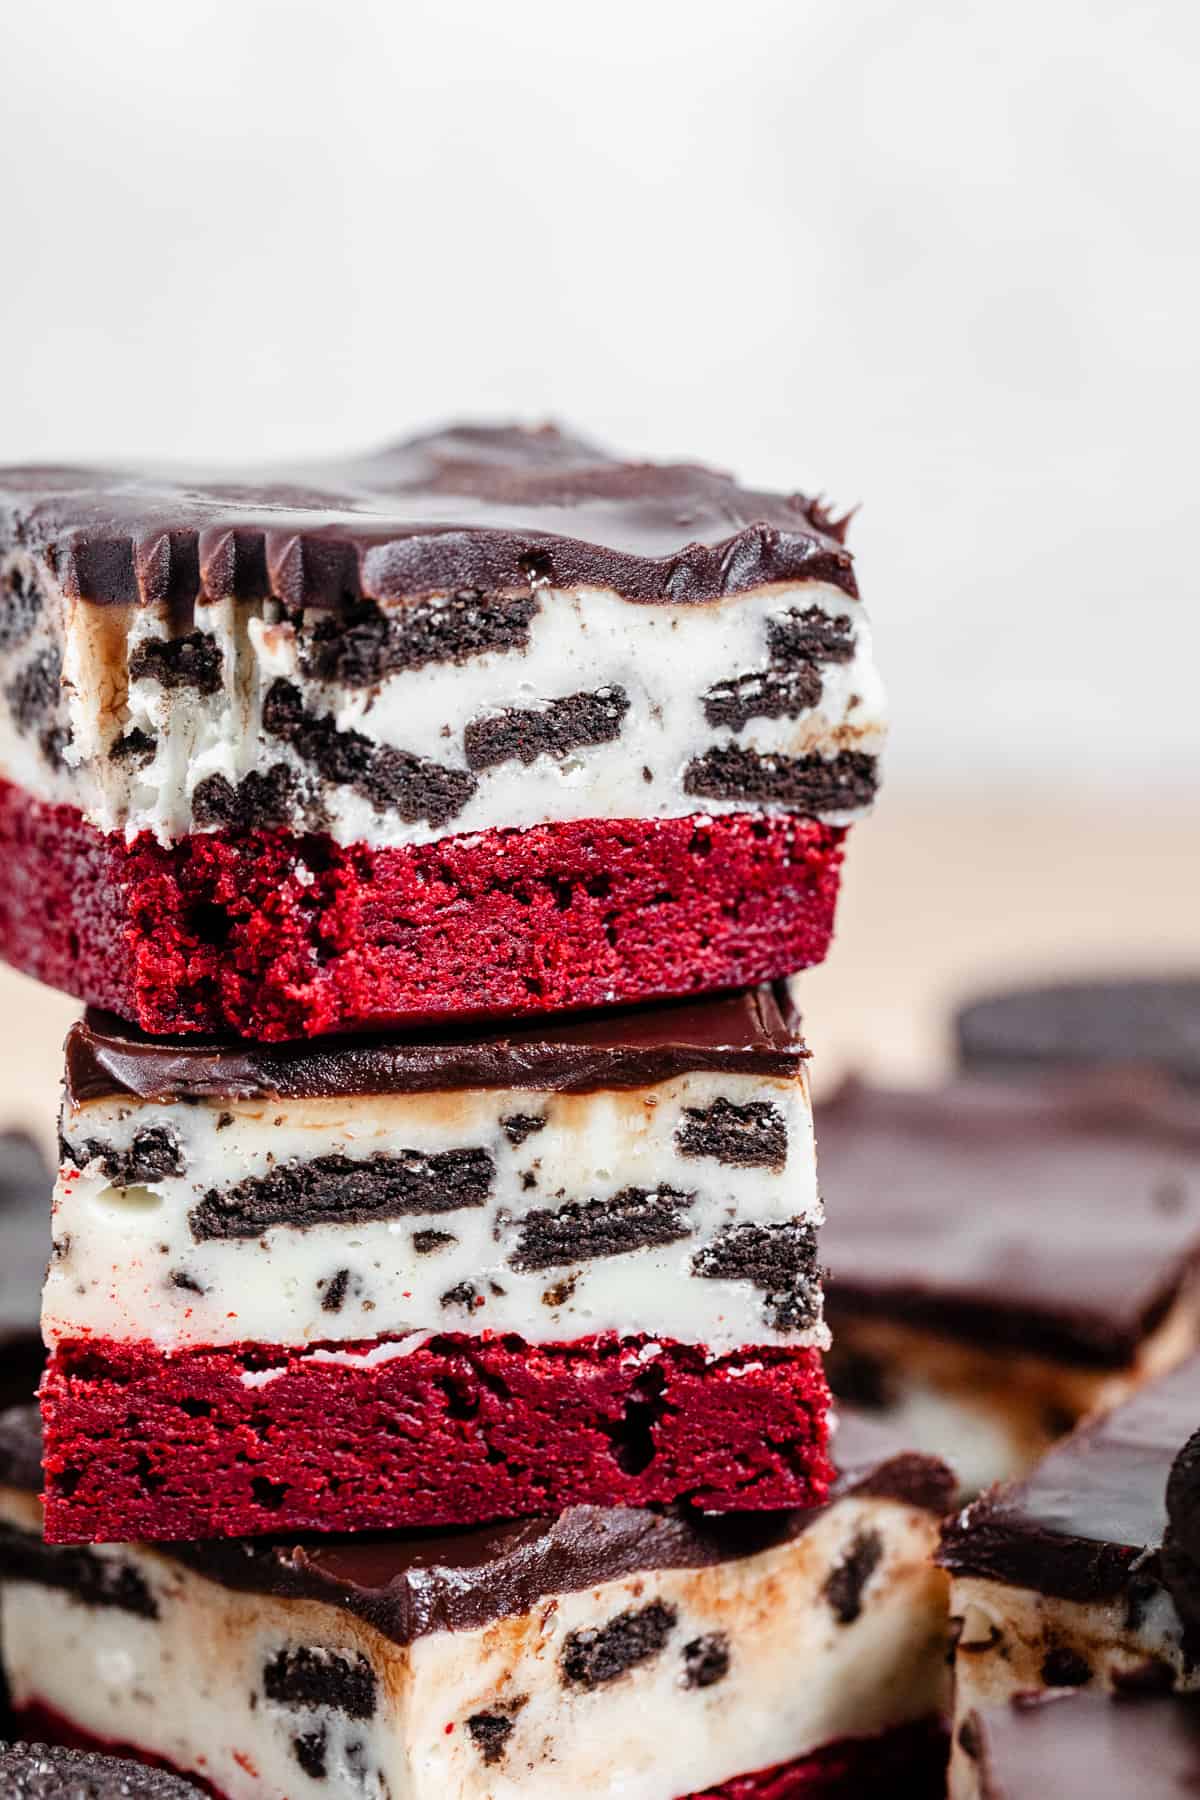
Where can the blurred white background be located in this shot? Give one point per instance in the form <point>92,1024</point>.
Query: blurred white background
<point>938,259</point>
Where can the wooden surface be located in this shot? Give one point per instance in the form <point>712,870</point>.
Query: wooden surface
<point>942,897</point>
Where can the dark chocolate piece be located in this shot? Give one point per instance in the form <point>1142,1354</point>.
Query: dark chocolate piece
<point>314,1676</point>
<point>1084,1746</point>
<point>599,1655</point>
<point>91,1579</point>
<point>573,723</point>
<point>46,1772</point>
<point>753,1136</point>
<point>780,1259</point>
<point>392,780</point>
<point>706,1660</point>
<point>152,1155</point>
<point>1088,1523</point>
<point>191,661</point>
<point>1060,1220</point>
<point>808,784</point>
<point>345,1190</point>
<point>634,1219</point>
<point>752,1032</point>
<point>493,509</point>
<point>408,1584</point>
<point>1085,1024</point>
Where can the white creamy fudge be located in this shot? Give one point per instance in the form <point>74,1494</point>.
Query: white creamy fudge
<point>605,1650</point>
<point>647,1173</point>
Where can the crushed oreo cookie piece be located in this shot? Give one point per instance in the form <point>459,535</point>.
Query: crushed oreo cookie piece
<point>90,1578</point>
<point>36,689</point>
<point>193,661</point>
<point>265,798</point>
<point>706,1660</point>
<point>20,607</point>
<point>753,1136</point>
<point>807,784</point>
<point>367,643</point>
<point>576,722</point>
<point>519,1126</point>
<point>153,1154</point>
<point>313,1676</point>
<point>596,1656</point>
<point>345,1190</point>
<point>780,1259</point>
<point>633,1219</point>
<point>846,1583</point>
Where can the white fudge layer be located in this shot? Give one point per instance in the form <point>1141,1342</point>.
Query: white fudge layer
<point>1006,1633</point>
<point>189,1685</point>
<point>658,662</point>
<point>131,1261</point>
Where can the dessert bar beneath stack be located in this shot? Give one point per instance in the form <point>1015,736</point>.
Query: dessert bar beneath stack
<point>600,1651</point>
<point>376,1283</point>
<point>487,723</point>
<point>1087,1573</point>
<point>1003,1259</point>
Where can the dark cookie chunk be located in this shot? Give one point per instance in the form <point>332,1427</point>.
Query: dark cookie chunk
<point>806,784</point>
<point>706,1660</point>
<point>572,723</point>
<point>490,1731</point>
<point>1064,1667</point>
<point>36,689</point>
<point>781,1259</point>
<point>193,661</point>
<point>753,1136</point>
<point>135,749</point>
<point>591,1658</point>
<point>314,1676</point>
<point>309,1750</point>
<point>53,745</point>
<point>153,1154</point>
<point>179,1278</point>
<point>519,1126</point>
<point>46,1772</point>
<point>88,1577</point>
<point>762,694</point>
<point>845,1585</point>
<point>1181,1542</point>
<point>392,780</point>
<point>266,798</point>
<point>811,636</point>
<point>20,607</point>
<point>334,1291</point>
<point>344,1190</point>
<point>366,643</point>
<point>426,1242</point>
<point>464,1293</point>
<point>583,1229</point>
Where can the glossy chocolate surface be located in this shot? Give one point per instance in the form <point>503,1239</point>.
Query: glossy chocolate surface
<point>408,1584</point>
<point>1091,1517</point>
<point>751,1032</point>
<point>489,508</point>
<point>1059,1218</point>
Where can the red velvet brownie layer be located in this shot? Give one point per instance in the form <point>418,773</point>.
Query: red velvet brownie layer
<point>329,757</point>
<point>275,935</point>
<point>454,1430</point>
<point>910,1759</point>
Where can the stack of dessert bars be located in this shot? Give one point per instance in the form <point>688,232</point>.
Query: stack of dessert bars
<point>435,1401</point>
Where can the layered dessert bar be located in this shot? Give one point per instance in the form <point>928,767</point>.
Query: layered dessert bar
<point>368,1282</point>
<point>26,1183</point>
<point>1084,1024</point>
<point>604,1651</point>
<point>1088,1746</point>
<point>50,1772</point>
<point>1085,1574</point>
<point>487,723</point>
<point>1003,1259</point>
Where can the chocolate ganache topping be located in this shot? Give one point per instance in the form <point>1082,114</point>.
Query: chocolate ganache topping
<point>485,508</point>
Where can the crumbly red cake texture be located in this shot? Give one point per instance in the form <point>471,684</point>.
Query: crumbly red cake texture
<point>909,1760</point>
<point>274,936</point>
<point>229,1442</point>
